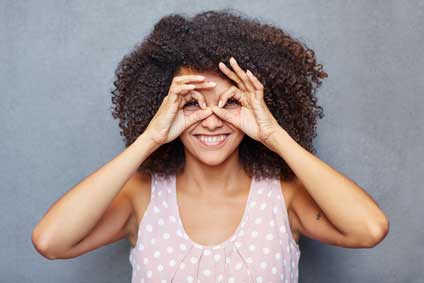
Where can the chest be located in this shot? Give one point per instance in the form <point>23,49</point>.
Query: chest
<point>207,221</point>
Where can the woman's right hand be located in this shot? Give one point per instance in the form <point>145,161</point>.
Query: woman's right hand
<point>170,120</point>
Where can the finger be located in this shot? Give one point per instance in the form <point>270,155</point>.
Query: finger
<point>232,92</point>
<point>198,116</point>
<point>226,115</point>
<point>257,84</point>
<point>194,95</point>
<point>187,78</point>
<point>229,73</point>
<point>180,89</point>
<point>242,75</point>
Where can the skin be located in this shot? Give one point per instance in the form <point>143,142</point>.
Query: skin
<point>322,203</point>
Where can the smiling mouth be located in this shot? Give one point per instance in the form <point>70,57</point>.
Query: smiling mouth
<point>212,141</point>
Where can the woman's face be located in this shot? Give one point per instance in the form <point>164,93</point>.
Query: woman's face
<point>211,140</point>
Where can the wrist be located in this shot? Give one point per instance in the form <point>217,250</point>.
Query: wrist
<point>276,142</point>
<point>146,140</point>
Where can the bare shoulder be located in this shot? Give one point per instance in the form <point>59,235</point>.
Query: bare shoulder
<point>138,191</point>
<point>290,189</point>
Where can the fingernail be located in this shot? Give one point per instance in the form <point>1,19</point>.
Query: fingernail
<point>219,103</point>
<point>212,83</point>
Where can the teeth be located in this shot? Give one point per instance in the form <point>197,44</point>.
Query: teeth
<point>212,139</point>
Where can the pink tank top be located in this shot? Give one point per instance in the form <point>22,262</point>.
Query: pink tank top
<point>261,249</point>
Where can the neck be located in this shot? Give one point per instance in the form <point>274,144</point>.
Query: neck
<point>227,177</point>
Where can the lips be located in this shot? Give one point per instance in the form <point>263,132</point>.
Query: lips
<point>212,141</point>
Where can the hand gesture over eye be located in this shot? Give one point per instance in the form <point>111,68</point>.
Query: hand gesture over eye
<point>254,117</point>
<point>170,120</point>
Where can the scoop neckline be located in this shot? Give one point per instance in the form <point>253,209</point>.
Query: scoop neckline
<point>227,241</point>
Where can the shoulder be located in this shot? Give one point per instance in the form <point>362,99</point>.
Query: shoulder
<point>292,190</point>
<point>138,189</point>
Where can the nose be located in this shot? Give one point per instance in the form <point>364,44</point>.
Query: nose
<point>212,122</point>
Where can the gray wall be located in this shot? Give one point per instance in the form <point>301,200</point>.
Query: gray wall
<point>56,69</point>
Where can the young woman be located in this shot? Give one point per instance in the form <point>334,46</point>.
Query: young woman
<point>218,180</point>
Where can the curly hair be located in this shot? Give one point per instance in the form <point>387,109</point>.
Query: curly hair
<point>285,66</point>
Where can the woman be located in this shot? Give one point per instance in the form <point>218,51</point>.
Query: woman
<point>218,180</point>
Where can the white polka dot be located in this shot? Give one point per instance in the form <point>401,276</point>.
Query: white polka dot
<point>193,259</point>
<point>263,205</point>
<point>263,265</point>
<point>259,279</point>
<point>238,266</point>
<point>161,222</point>
<point>277,255</point>
<point>156,254</point>
<point>274,210</point>
<point>179,233</point>
<point>182,265</point>
<point>206,272</point>
<point>241,233</point>
<point>249,260</point>
<point>149,228</point>
<point>238,244</point>
<point>207,252</point>
<point>140,247</point>
<point>254,234</point>
<point>172,262</point>
<point>258,220</point>
<point>260,191</point>
<point>227,260</point>
<point>164,204</point>
<point>220,277</point>
<point>170,249</point>
<point>159,193</point>
<point>149,273</point>
<point>165,236</point>
<point>217,257</point>
<point>231,279</point>
<point>269,193</point>
<point>152,241</point>
<point>265,250</point>
<point>272,223</point>
<point>160,267</point>
<point>190,278</point>
<point>269,236</point>
<point>274,270</point>
<point>253,203</point>
<point>156,209</point>
<point>282,229</point>
<point>145,260</point>
<point>172,219</point>
<point>183,247</point>
<point>252,247</point>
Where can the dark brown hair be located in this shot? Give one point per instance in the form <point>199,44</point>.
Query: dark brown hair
<point>286,67</point>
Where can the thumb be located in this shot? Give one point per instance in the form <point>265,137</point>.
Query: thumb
<point>198,116</point>
<point>225,115</point>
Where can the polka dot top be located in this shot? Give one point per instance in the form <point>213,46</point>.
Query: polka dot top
<point>261,249</point>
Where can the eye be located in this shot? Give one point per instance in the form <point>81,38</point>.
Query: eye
<point>233,101</point>
<point>191,103</point>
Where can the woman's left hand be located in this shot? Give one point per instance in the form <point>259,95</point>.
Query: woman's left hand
<point>254,118</point>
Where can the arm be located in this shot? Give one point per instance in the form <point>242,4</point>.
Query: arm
<point>71,218</point>
<point>328,206</point>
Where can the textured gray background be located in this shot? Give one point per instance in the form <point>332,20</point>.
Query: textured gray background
<point>56,69</point>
